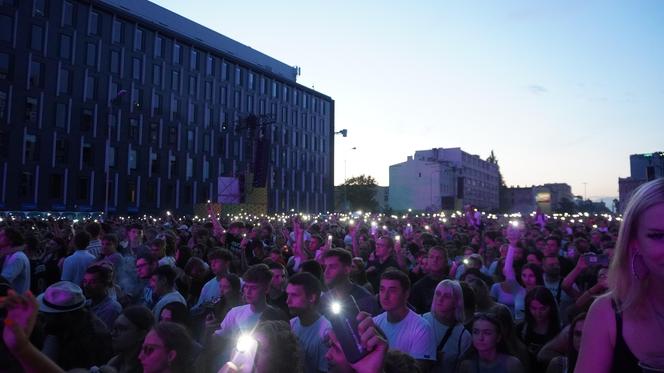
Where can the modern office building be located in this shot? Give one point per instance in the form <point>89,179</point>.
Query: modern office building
<point>548,197</point>
<point>643,168</point>
<point>126,105</point>
<point>443,179</point>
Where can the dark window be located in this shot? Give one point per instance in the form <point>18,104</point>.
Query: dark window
<point>150,193</point>
<point>136,69</point>
<point>93,23</point>
<point>156,74</point>
<point>30,150</point>
<point>131,192</point>
<point>61,151</point>
<point>31,107</point>
<point>91,55</point>
<point>177,53</point>
<point>158,46</point>
<point>115,62</point>
<point>133,160</point>
<point>27,186</point>
<point>206,142</point>
<point>224,71</point>
<point>133,129</point>
<point>36,74</point>
<point>118,31</point>
<point>175,108</point>
<point>3,105</point>
<point>236,100</point>
<point>6,28</point>
<point>90,88</point>
<point>193,82</point>
<point>190,140</point>
<point>172,135</point>
<point>65,81</point>
<point>110,190</point>
<point>67,14</point>
<point>175,80</point>
<point>83,186</point>
<point>86,120</point>
<point>223,96</point>
<point>37,38</point>
<point>193,59</point>
<point>208,90</point>
<point>209,66</point>
<point>138,39</point>
<point>157,104</point>
<point>111,157</point>
<point>137,95</point>
<point>154,132</point>
<point>87,155</point>
<point>61,112</point>
<point>4,143</point>
<point>56,186</point>
<point>65,46</point>
<point>39,9</point>
<point>154,164</point>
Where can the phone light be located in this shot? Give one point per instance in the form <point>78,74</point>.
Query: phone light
<point>336,308</point>
<point>397,238</point>
<point>329,237</point>
<point>245,342</point>
<point>514,223</point>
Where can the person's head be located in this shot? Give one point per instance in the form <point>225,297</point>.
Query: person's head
<point>163,280</point>
<point>145,265</point>
<point>384,247</point>
<point>256,283</point>
<point>109,244</point>
<point>279,277</point>
<point>576,331</point>
<point>394,290</point>
<point>93,229</point>
<point>220,261</point>
<point>167,345</point>
<point>531,276</point>
<point>312,266</point>
<point>535,257</point>
<point>541,308</point>
<point>10,237</point>
<point>81,240</point>
<point>487,333</point>
<point>552,246</point>
<point>448,301</point>
<point>97,280</point>
<point>279,350</point>
<point>236,228</point>
<point>315,242</point>
<point>303,292</point>
<point>337,264</point>
<point>551,266</point>
<point>437,260</point>
<point>175,312</point>
<point>135,232</point>
<point>130,328</point>
<point>637,262</point>
<point>157,248</point>
<point>229,285</point>
<point>197,268</point>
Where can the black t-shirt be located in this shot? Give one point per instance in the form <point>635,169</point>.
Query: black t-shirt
<point>374,277</point>
<point>421,294</point>
<point>365,301</point>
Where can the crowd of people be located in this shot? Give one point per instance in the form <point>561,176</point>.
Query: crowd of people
<point>463,292</point>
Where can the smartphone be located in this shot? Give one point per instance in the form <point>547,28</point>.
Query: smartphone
<point>343,317</point>
<point>596,260</point>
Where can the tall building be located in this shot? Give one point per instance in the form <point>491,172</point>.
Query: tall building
<point>443,179</point>
<point>548,197</point>
<point>643,168</point>
<point>122,103</point>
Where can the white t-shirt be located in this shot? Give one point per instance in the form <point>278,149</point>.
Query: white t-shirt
<point>239,319</point>
<point>458,342</point>
<point>312,342</point>
<point>412,335</point>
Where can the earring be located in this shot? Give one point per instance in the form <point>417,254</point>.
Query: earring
<point>639,269</point>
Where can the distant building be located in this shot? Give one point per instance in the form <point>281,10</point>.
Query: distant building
<point>125,103</point>
<point>643,168</point>
<point>443,179</point>
<point>548,197</point>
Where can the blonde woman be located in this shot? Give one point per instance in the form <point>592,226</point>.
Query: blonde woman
<point>623,330</point>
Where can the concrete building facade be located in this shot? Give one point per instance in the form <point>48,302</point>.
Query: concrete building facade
<point>643,168</point>
<point>126,105</point>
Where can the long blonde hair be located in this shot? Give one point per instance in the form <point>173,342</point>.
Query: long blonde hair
<point>455,289</point>
<point>626,290</point>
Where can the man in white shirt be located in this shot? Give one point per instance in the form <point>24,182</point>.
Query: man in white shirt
<point>308,325</point>
<point>74,266</point>
<point>162,283</point>
<point>405,330</point>
<point>220,261</point>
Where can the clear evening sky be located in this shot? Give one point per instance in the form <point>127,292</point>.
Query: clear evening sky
<point>562,91</point>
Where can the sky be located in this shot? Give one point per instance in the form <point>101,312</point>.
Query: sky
<point>561,91</point>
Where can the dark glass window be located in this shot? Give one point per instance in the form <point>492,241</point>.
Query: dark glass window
<point>154,132</point>
<point>65,46</point>
<point>87,155</point>
<point>177,53</point>
<point>31,107</point>
<point>36,74</point>
<point>138,39</point>
<point>67,14</point>
<point>136,69</point>
<point>193,59</point>
<point>56,186</point>
<point>93,23</point>
<point>39,9</point>
<point>27,185</point>
<point>158,46</point>
<point>175,80</point>
<point>86,120</point>
<point>156,74</point>
<point>61,150</point>
<point>6,28</point>
<point>65,81</point>
<point>172,135</point>
<point>30,149</point>
<point>209,66</point>
<point>193,83</point>
<point>133,129</point>
<point>118,32</point>
<point>115,62</point>
<point>90,88</point>
<point>61,112</point>
<point>37,38</point>
<point>91,55</point>
<point>83,186</point>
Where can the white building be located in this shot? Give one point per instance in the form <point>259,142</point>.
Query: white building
<point>443,179</point>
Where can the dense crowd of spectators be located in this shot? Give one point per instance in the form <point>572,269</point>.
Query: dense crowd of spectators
<point>456,292</point>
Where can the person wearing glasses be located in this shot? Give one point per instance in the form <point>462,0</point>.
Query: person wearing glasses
<point>167,348</point>
<point>127,334</point>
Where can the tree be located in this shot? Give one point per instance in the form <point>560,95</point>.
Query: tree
<point>357,193</point>
<point>503,197</point>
